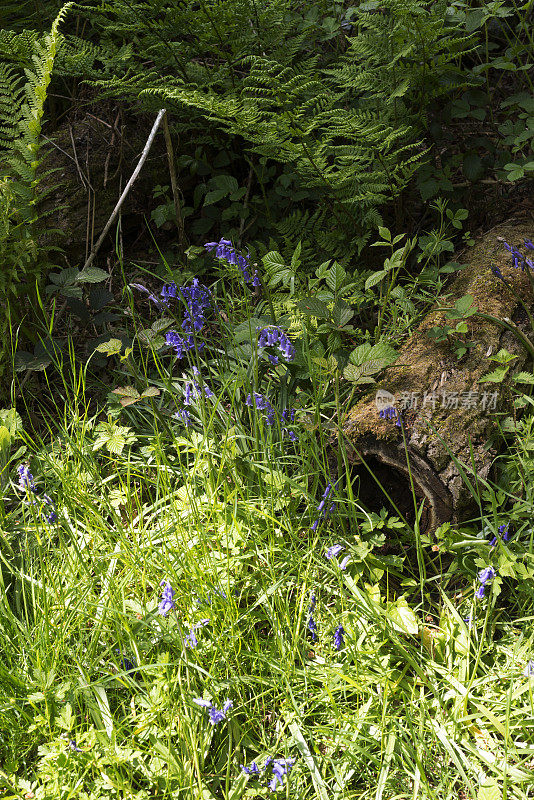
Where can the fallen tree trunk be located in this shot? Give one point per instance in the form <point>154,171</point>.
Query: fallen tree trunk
<point>446,412</point>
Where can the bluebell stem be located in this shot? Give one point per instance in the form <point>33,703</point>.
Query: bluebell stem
<point>167,603</point>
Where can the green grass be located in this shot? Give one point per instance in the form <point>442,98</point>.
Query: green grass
<point>223,510</point>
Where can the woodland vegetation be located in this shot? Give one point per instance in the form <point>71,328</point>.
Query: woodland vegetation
<point>266,424</point>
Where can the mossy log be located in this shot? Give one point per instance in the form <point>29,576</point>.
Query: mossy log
<point>454,414</point>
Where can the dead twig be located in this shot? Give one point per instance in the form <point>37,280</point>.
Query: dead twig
<point>127,188</point>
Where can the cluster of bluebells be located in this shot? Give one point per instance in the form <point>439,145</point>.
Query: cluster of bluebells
<point>322,508</point>
<point>27,484</point>
<point>502,533</point>
<point>262,404</point>
<point>519,261</point>
<point>485,576</point>
<point>167,599</point>
<point>339,637</point>
<point>288,418</point>
<point>197,299</point>
<point>224,249</point>
<point>275,337</point>
<point>312,625</point>
<point>191,640</point>
<point>192,391</point>
<point>279,767</point>
<point>390,413</point>
<point>216,715</point>
<point>334,551</point>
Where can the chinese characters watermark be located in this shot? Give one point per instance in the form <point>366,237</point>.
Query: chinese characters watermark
<point>411,401</point>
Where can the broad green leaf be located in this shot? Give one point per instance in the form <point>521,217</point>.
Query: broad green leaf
<point>92,275</point>
<point>402,617</point>
<point>5,441</point>
<point>489,790</point>
<point>314,307</point>
<point>151,391</point>
<point>372,280</point>
<point>342,313</point>
<point>12,420</point>
<point>110,348</point>
<point>335,277</point>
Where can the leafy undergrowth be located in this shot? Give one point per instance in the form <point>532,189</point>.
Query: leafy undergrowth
<point>195,604</point>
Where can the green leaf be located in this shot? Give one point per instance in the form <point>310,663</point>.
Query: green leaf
<point>489,790</point>
<point>295,258</point>
<point>314,307</point>
<point>385,234</point>
<point>12,421</point>
<point>497,376</point>
<point>335,277</point>
<point>402,617</point>
<point>372,280</point>
<point>111,348</point>
<point>341,313</point>
<point>472,167</point>
<point>5,442</point>
<point>524,377</point>
<point>91,275</point>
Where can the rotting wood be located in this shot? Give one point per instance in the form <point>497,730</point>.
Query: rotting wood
<point>434,429</point>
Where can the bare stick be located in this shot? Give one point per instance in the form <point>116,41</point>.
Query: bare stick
<point>127,188</point>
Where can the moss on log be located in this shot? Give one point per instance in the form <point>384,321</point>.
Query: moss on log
<point>455,415</point>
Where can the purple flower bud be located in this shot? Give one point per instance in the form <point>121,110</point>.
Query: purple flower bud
<point>167,603</point>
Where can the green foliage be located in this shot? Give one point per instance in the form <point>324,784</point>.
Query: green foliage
<point>330,104</point>
<point>22,102</point>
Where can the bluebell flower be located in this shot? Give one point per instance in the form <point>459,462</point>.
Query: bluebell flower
<point>151,296</point>
<point>339,640</point>
<point>167,603</point>
<point>518,260</point>
<point>273,336</point>
<point>25,478</point>
<point>344,562</point>
<point>256,279</point>
<point>321,507</point>
<point>502,532</point>
<point>51,515</point>
<point>528,672</point>
<point>390,413</point>
<point>184,416</point>
<point>262,404</point>
<point>334,551</point>
<point>280,767</point>
<point>312,627</point>
<point>191,640</point>
<point>216,715</point>
<point>484,576</point>
<point>253,769</point>
<point>528,244</point>
<point>74,746</point>
<point>224,249</point>
<point>169,291</point>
